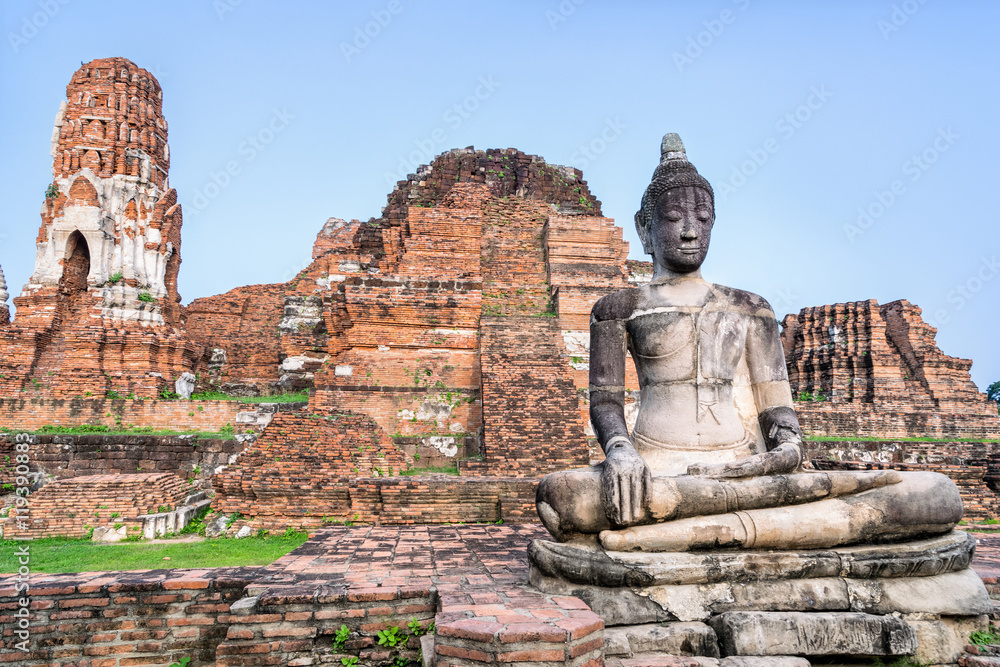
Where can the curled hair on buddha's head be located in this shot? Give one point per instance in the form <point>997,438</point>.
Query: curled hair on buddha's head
<point>674,171</point>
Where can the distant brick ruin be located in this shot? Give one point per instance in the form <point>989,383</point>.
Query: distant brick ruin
<point>866,370</point>
<point>101,310</point>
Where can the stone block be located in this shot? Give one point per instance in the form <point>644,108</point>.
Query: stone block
<point>754,633</point>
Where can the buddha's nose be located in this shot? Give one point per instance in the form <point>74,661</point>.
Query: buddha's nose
<point>689,234</point>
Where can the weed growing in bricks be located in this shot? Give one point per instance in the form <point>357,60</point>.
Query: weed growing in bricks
<point>146,297</point>
<point>340,638</point>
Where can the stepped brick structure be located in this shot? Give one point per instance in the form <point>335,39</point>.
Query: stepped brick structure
<point>867,370</point>
<point>101,310</point>
<point>70,506</point>
<point>479,274</point>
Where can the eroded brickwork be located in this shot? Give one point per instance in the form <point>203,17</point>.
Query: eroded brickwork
<point>878,373</point>
<point>73,505</point>
<point>391,321</point>
<point>101,310</point>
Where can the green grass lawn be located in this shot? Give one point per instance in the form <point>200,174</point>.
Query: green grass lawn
<point>296,397</point>
<point>56,555</point>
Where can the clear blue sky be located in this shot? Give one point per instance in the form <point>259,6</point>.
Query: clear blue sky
<point>834,100</point>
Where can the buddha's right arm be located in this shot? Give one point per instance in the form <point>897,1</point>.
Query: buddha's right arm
<point>607,382</point>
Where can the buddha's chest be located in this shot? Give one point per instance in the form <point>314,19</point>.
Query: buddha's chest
<point>671,343</point>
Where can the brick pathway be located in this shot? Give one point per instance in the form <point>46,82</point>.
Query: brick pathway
<point>987,559</point>
<point>475,576</point>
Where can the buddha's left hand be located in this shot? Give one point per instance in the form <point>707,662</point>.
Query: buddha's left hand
<point>782,459</point>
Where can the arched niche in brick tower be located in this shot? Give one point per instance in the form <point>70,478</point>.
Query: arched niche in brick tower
<point>76,265</point>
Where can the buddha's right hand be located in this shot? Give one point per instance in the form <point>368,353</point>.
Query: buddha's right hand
<point>625,482</point>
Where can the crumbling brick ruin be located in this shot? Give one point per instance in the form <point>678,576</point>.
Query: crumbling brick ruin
<point>465,303</point>
<point>866,370</point>
<point>101,310</point>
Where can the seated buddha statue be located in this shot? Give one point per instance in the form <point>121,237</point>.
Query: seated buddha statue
<point>715,456</point>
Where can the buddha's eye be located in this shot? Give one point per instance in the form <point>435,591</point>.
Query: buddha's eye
<point>704,214</point>
<point>674,215</point>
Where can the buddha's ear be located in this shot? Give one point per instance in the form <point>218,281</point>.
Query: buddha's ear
<point>643,232</point>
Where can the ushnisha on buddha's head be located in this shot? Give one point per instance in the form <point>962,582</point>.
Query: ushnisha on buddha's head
<point>677,213</point>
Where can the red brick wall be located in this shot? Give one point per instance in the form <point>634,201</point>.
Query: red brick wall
<point>179,415</point>
<point>122,619</point>
<point>244,323</point>
<point>64,456</point>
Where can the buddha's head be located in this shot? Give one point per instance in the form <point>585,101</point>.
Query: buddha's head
<point>677,213</point>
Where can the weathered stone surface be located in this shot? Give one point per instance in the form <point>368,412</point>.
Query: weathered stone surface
<point>782,633</point>
<point>942,641</point>
<point>108,534</point>
<point>690,639</point>
<point>184,385</point>
<point>592,565</point>
<point>951,594</point>
<point>763,661</point>
<point>617,606</point>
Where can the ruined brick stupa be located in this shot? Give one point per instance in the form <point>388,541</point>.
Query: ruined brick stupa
<point>102,302</point>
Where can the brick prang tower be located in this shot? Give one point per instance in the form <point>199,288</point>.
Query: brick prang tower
<point>102,302</point>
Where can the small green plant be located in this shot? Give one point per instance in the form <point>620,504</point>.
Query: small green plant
<point>992,521</point>
<point>52,191</point>
<point>115,515</point>
<point>146,297</point>
<point>116,278</point>
<point>415,628</point>
<point>181,663</point>
<point>984,638</point>
<point>340,638</point>
<point>112,394</point>
<point>349,661</point>
<point>168,394</point>
<point>392,637</point>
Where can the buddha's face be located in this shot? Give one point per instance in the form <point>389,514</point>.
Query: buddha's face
<point>682,228</point>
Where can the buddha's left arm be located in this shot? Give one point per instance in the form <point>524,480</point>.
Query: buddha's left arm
<point>769,380</point>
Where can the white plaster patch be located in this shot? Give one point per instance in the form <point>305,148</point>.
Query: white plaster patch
<point>577,342</point>
<point>455,427</point>
<point>445,445</point>
<point>349,266</point>
<point>343,371</point>
<point>293,363</point>
<point>435,410</point>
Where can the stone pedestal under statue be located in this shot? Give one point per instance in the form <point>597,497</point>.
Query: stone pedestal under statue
<point>916,598</point>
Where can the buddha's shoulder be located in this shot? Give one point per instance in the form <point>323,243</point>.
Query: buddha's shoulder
<point>743,301</point>
<point>616,306</point>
